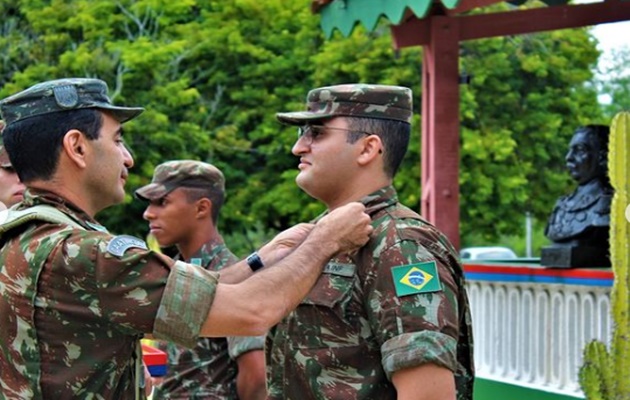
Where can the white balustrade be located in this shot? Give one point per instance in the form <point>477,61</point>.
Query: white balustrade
<point>533,334</point>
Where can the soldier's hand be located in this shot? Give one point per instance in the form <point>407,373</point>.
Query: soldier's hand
<point>348,228</point>
<point>285,242</point>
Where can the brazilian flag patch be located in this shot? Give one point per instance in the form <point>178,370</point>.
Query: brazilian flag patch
<point>416,278</point>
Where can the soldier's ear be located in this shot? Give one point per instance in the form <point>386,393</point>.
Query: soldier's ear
<point>371,148</point>
<point>74,147</point>
<point>204,207</point>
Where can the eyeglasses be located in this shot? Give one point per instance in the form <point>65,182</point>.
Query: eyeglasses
<point>310,133</point>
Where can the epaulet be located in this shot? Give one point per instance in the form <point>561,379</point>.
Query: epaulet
<point>10,219</point>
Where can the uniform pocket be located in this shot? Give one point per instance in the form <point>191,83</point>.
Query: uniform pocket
<point>327,316</point>
<point>333,286</point>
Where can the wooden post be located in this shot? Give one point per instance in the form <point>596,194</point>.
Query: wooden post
<point>440,126</point>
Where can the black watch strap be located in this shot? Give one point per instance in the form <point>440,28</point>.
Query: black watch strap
<point>254,262</point>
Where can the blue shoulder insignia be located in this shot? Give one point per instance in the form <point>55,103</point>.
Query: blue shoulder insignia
<point>121,243</point>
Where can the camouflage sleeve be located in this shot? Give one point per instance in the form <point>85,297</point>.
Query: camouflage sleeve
<point>412,349</point>
<point>185,304</point>
<point>238,345</point>
<point>418,326</point>
<point>123,289</point>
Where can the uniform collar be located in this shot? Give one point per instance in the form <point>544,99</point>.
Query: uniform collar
<point>380,199</point>
<point>376,201</point>
<point>207,252</point>
<point>33,197</point>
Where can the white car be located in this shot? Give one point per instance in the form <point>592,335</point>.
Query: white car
<point>487,253</point>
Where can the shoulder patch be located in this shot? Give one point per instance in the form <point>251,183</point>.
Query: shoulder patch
<point>121,243</point>
<point>416,278</point>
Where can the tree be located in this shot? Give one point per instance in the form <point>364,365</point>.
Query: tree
<point>527,96</point>
<point>614,82</point>
<point>212,75</point>
<point>207,72</point>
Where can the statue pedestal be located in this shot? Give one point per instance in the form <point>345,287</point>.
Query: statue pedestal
<point>574,257</point>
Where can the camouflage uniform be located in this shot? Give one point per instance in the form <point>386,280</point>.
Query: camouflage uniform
<point>72,311</point>
<point>74,299</point>
<point>209,370</point>
<point>353,331</point>
<point>398,303</point>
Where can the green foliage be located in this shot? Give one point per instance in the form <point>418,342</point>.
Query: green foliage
<point>242,244</point>
<point>526,98</point>
<point>615,82</point>
<point>213,74</point>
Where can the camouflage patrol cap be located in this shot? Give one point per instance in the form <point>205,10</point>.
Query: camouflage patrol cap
<point>61,95</point>
<point>353,100</point>
<point>171,175</point>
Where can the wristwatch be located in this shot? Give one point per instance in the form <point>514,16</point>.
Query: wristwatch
<point>254,262</point>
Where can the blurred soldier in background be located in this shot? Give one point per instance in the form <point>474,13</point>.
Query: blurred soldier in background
<point>185,199</point>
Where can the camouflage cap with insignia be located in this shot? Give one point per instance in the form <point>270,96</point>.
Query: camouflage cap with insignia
<point>61,95</point>
<point>170,175</point>
<point>353,100</point>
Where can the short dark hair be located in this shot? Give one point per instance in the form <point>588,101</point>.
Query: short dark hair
<point>215,195</point>
<point>394,136</point>
<point>34,144</point>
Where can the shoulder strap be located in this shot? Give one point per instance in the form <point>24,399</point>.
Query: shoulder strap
<point>10,219</point>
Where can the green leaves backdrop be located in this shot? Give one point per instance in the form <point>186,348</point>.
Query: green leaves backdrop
<point>212,74</point>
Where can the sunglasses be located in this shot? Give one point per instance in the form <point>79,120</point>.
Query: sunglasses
<point>310,133</point>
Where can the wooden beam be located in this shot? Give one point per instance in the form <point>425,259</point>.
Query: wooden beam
<point>415,32</point>
<point>543,19</point>
<point>412,32</point>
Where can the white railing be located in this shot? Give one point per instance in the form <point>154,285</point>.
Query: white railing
<point>533,334</point>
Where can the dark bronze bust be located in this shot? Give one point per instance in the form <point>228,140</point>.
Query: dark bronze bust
<point>579,223</point>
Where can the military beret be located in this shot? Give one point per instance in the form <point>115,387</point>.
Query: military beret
<point>171,175</point>
<point>60,95</point>
<point>353,100</point>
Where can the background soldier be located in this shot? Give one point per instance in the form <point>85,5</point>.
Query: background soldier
<point>185,199</point>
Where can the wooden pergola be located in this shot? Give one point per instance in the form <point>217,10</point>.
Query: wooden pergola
<point>439,27</point>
